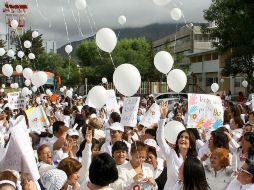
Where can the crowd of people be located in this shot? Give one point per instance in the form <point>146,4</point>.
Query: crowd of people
<point>85,148</point>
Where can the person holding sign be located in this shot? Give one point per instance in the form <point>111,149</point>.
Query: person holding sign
<point>185,146</point>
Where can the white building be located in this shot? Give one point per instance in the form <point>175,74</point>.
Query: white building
<point>50,46</point>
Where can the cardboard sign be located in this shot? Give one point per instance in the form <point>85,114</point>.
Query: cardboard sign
<point>129,112</point>
<point>16,101</point>
<point>111,104</point>
<point>37,118</point>
<point>204,111</point>
<point>151,116</point>
<point>19,154</point>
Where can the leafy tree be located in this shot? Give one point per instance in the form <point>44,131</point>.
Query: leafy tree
<point>233,33</point>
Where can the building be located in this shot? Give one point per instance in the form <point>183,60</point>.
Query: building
<point>50,46</point>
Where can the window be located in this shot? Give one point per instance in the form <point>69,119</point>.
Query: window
<point>211,80</point>
<point>237,82</point>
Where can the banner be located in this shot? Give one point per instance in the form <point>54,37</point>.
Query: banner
<point>130,111</point>
<point>151,116</point>
<point>16,101</point>
<point>37,118</point>
<point>19,154</point>
<point>204,111</point>
<point>111,104</point>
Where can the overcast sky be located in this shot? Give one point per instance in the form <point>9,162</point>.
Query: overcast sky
<point>48,17</point>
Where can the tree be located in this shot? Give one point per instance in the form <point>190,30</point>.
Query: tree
<point>97,64</point>
<point>233,33</point>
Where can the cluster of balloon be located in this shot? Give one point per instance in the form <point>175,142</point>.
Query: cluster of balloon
<point>106,39</point>
<point>161,2</point>
<point>39,78</point>
<point>215,87</point>
<point>245,84</point>
<point>127,83</point>
<point>122,19</point>
<point>80,4</point>
<point>98,96</point>
<point>7,70</point>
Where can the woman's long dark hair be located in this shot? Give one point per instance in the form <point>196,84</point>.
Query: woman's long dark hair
<point>194,175</point>
<point>192,150</point>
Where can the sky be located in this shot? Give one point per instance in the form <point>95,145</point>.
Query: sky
<point>61,21</point>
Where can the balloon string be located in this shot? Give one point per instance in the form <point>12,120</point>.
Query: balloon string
<point>78,26</point>
<point>69,69</point>
<point>66,27</point>
<point>112,60</point>
<point>118,33</point>
<point>42,15</point>
<point>91,15</point>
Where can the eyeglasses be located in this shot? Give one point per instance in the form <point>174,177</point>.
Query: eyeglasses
<point>245,171</point>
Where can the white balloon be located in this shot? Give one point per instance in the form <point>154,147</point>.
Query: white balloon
<point>3,85</point>
<point>71,89</point>
<point>80,4</point>
<point>12,85</point>
<point>10,53</point>
<point>176,80</point>
<point>27,44</point>
<point>30,92</point>
<point>21,54</point>
<point>98,96</point>
<point>19,68</point>
<point>68,49</point>
<point>31,56</point>
<point>104,80</point>
<point>245,83</point>
<point>16,85</point>
<point>35,34</point>
<point>61,89</point>
<point>161,2</point>
<point>106,39</point>
<point>172,129</point>
<point>215,87</point>
<point>38,100</point>
<point>69,93</point>
<point>27,82</point>
<point>122,19</point>
<point>39,78</point>
<point>48,91</point>
<point>25,91</point>
<point>34,88</point>
<point>176,14</point>
<point>14,24</point>
<point>2,52</point>
<point>163,61</point>
<point>27,73</point>
<point>7,70</point>
<point>127,79</point>
<point>1,90</point>
<point>64,87</point>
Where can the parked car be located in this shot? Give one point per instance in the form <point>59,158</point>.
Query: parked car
<point>170,97</point>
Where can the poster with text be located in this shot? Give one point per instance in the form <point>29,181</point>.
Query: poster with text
<point>111,104</point>
<point>16,101</point>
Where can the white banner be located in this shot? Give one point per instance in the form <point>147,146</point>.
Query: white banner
<point>130,111</point>
<point>16,101</point>
<point>152,116</point>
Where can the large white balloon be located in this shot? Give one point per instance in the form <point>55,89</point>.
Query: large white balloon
<point>31,56</point>
<point>2,52</point>
<point>215,87</point>
<point>21,54</point>
<point>176,80</point>
<point>7,70</point>
<point>27,82</point>
<point>68,49</point>
<point>80,4</point>
<point>27,73</point>
<point>163,61</point>
<point>10,53</point>
<point>106,39</point>
<point>172,129</point>
<point>25,91</point>
<point>176,14</point>
<point>69,93</point>
<point>122,19</point>
<point>39,78</point>
<point>14,24</point>
<point>35,34</point>
<point>19,68</point>
<point>34,88</point>
<point>98,96</point>
<point>104,80</point>
<point>161,2</point>
<point>27,44</point>
<point>245,83</point>
<point>127,79</point>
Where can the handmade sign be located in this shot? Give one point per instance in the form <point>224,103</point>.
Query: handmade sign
<point>19,154</point>
<point>204,111</point>
<point>129,112</point>
<point>111,104</point>
<point>151,116</point>
<point>37,118</point>
<point>16,101</point>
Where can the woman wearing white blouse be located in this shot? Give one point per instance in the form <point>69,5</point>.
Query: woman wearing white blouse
<point>185,146</point>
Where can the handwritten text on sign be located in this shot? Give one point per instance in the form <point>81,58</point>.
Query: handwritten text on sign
<point>16,101</point>
<point>205,111</point>
<point>129,112</point>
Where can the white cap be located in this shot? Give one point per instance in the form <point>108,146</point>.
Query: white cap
<point>54,179</point>
<point>152,143</point>
<point>73,132</point>
<point>117,127</point>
